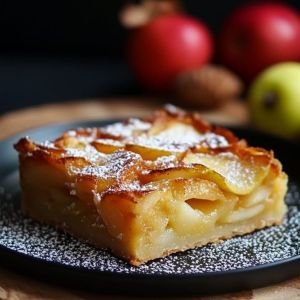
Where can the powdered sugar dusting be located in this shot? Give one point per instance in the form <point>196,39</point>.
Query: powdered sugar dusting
<point>114,165</point>
<point>180,137</point>
<point>88,152</point>
<point>47,144</point>
<point>154,142</point>
<point>109,142</point>
<point>265,246</point>
<point>213,141</point>
<point>127,129</point>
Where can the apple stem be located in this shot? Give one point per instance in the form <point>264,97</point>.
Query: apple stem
<point>269,100</point>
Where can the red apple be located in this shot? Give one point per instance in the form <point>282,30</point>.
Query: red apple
<point>256,36</point>
<point>166,46</point>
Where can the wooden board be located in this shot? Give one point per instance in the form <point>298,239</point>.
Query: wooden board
<point>232,114</point>
<point>17,287</point>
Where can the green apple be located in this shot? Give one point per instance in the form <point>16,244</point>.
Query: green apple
<point>274,100</point>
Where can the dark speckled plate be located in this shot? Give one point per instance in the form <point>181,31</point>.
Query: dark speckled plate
<point>263,257</point>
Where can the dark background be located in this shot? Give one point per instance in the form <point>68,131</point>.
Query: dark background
<point>65,50</point>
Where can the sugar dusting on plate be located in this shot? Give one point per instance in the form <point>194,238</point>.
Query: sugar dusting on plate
<point>265,246</point>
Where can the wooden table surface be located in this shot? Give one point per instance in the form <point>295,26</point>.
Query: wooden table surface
<point>17,287</point>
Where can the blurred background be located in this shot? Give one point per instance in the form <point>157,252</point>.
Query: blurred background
<point>53,51</point>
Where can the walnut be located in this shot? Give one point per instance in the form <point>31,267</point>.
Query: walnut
<point>208,87</point>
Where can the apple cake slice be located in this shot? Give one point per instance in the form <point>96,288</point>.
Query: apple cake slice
<point>145,188</point>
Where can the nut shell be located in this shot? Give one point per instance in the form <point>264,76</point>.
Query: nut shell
<point>209,87</point>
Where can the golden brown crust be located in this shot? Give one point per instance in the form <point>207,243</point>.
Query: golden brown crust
<point>136,145</point>
<point>137,180</point>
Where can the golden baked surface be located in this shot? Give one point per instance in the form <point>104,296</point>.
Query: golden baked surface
<point>144,188</point>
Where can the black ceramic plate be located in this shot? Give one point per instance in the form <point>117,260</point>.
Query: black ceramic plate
<point>263,257</point>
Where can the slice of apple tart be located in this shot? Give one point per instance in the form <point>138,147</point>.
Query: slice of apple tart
<point>145,188</point>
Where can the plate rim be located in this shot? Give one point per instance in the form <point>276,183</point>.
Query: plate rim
<point>184,276</point>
